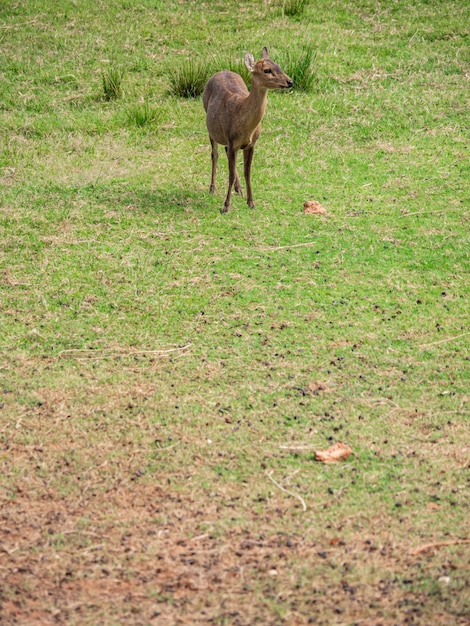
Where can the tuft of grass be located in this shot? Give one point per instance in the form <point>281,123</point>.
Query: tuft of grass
<point>143,114</point>
<point>112,83</point>
<point>300,66</point>
<point>293,8</point>
<point>189,79</point>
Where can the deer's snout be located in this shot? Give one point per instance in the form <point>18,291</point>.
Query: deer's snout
<point>289,83</point>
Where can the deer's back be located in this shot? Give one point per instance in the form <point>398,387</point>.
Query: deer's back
<point>223,87</point>
<point>223,98</point>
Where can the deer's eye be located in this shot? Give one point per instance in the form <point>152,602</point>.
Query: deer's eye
<point>268,71</point>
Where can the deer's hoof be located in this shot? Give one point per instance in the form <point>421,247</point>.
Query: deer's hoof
<point>225,209</point>
<point>251,204</point>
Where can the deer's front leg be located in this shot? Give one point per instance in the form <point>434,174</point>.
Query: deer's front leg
<point>236,183</point>
<point>247,161</point>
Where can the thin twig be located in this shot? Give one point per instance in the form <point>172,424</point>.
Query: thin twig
<point>84,532</point>
<point>437,544</point>
<point>435,343</point>
<point>7,551</point>
<point>294,245</point>
<point>115,353</point>
<point>294,495</point>
<point>199,537</point>
<point>94,548</point>
<point>410,214</point>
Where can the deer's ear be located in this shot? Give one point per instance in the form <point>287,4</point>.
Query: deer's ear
<point>265,53</point>
<point>249,61</point>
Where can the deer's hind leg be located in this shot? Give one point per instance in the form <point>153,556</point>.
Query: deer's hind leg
<point>215,156</point>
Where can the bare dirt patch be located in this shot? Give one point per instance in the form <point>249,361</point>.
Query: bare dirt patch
<point>144,553</point>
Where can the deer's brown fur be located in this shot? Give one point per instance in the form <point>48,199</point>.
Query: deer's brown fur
<point>233,116</point>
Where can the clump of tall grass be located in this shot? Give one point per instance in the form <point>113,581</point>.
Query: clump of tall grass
<point>188,79</point>
<point>292,8</point>
<point>142,114</point>
<point>300,66</point>
<point>112,83</point>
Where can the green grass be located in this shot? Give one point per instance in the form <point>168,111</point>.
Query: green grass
<point>142,114</point>
<point>112,83</point>
<point>292,8</point>
<point>160,360</point>
<point>189,79</point>
<point>300,66</point>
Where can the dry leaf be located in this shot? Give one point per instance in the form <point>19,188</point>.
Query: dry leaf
<point>315,387</point>
<point>313,207</point>
<point>335,453</point>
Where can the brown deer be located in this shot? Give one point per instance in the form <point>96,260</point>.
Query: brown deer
<point>233,116</point>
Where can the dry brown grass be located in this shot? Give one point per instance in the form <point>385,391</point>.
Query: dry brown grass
<point>89,535</point>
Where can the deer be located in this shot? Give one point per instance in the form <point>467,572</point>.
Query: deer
<point>234,114</point>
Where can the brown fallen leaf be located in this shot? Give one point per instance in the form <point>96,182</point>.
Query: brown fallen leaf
<point>315,387</point>
<point>313,207</point>
<point>337,452</point>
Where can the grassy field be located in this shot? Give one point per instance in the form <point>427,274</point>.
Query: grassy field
<point>168,372</point>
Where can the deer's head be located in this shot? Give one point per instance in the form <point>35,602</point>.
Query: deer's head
<point>267,73</point>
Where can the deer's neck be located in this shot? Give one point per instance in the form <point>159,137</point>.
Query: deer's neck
<point>255,105</point>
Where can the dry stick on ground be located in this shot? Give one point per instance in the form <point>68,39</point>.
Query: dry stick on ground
<point>294,495</point>
<point>294,245</point>
<point>435,343</point>
<point>115,353</point>
<point>438,544</point>
<point>410,214</point>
